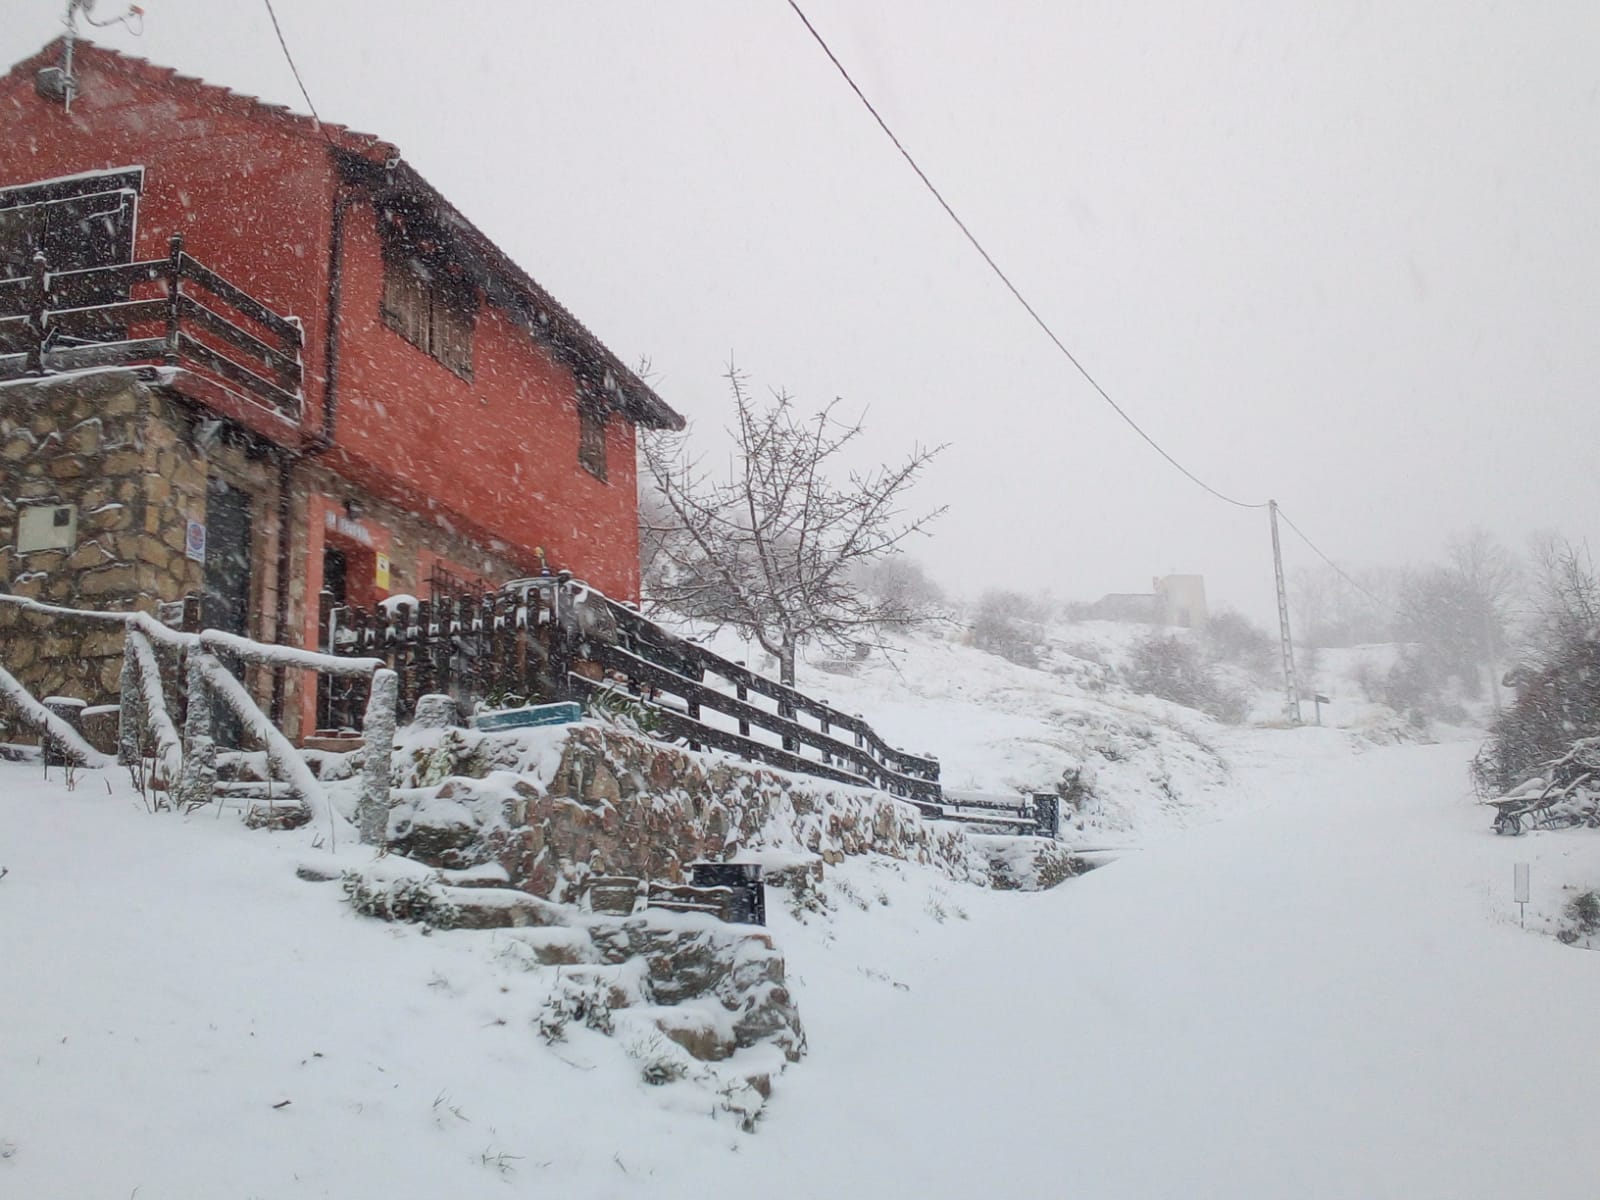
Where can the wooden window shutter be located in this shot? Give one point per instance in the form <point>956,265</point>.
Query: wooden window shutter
<point>406,301</point>
<point>453,312</point>
<point>592,437</point>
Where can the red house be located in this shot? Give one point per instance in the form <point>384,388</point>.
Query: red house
<point>337,381</point>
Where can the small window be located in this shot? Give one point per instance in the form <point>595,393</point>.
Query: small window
<point>592,438</point>
<point>431,311</point>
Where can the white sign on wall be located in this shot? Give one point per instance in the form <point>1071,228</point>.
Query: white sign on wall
<point>194,542</point>
<point>47,527</point>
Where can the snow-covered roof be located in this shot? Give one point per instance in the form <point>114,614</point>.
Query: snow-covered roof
<point>131,66</point>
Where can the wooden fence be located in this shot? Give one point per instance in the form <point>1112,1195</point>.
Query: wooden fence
<point>552,639</point>
<point>170,311</point>
<point>178,749</point>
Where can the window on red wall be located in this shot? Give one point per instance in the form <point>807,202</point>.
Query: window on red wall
<point>430,310</point>
<point>592,438</point>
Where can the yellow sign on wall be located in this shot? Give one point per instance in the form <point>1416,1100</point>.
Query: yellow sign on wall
<point>382,574</point>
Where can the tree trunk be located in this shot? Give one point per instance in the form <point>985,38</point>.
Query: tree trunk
<point>786,677</point>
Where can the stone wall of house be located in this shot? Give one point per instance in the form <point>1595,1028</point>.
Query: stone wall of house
<point>129,455</point>
<point>119,450</point>
<point>81,441</point>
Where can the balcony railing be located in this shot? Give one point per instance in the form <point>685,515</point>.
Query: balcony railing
<point>169,311</point>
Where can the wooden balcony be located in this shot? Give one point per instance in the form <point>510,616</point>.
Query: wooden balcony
<point>169,311</point>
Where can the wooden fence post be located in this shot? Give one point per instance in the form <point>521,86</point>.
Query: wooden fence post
<point>192,612</point>
<point>372,810</point>
<point>174,277</point>
<point>38,304</point>
<point>131,718</point>
<point>199,784</point>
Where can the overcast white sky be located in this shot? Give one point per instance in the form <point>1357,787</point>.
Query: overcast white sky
<point>1341,253</point>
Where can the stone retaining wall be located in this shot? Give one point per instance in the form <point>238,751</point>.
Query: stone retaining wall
<point>555,806</point>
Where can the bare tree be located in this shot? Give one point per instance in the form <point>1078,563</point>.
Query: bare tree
<point>1565,594</point>
<point>1558,687</point>
<point>772,548</point>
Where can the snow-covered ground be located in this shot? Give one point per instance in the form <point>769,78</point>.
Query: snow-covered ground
<point>1308,981</point>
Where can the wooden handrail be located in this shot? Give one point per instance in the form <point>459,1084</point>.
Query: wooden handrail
<point>741,676</point>
<point>642,671</point>
<point>238,298</point>
<point>208,329</point>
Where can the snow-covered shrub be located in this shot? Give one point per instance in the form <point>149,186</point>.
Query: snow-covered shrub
<point>1415,688</point>
<point>1173,669</point>
<point>1555,708</point>
<point>582,998</point>
<point>661,1061</point>
<point>905,583</point>
<point>414,899</point>
<point>1583,916</point>
<point>618,707</point>
<point>1011,625</point>
<point>1233,638</point>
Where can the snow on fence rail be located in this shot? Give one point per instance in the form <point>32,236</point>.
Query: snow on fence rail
<point>64,736</point>
<point>186,762</point>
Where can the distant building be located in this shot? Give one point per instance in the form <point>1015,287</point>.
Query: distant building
<point>1178,600</point>
<point>1181,600</point>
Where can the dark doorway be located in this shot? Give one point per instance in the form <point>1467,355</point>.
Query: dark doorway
<point>225,602</point>
<point>336,577</point>
<point>336,698</point>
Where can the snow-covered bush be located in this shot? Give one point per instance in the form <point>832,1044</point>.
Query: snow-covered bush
<point>582,998</point>
<point>1011,625</point>
<point>1173,669</point>
<point>1558,694</point>
<point>1413,687</point>
<point>1554,708</point>
<point>1583,919</point>
<point>1233,638</point>
<point>415,899</point>
<point>905,583</point>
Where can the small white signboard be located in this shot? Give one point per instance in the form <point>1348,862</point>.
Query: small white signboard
<point>194,542</point>
<point>1519,884</point>
<point>46,527</point>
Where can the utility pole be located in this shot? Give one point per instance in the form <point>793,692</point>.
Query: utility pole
<point>1291,685</point>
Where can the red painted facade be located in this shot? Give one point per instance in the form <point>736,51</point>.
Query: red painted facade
<point>283,208</point>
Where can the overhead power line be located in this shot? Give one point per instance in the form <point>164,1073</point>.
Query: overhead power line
<point>1002,276</point>
<point>1340,571</point>
<point>289,58</point>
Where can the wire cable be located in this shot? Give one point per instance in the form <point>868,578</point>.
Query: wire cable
<point>289,58</point>
<point>1338,570</point>
<point>1001,275</point>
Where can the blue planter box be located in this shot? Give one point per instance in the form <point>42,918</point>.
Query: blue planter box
<point>561,713</point>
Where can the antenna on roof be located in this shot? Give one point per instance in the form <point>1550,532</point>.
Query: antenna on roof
<point>59,83</point>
